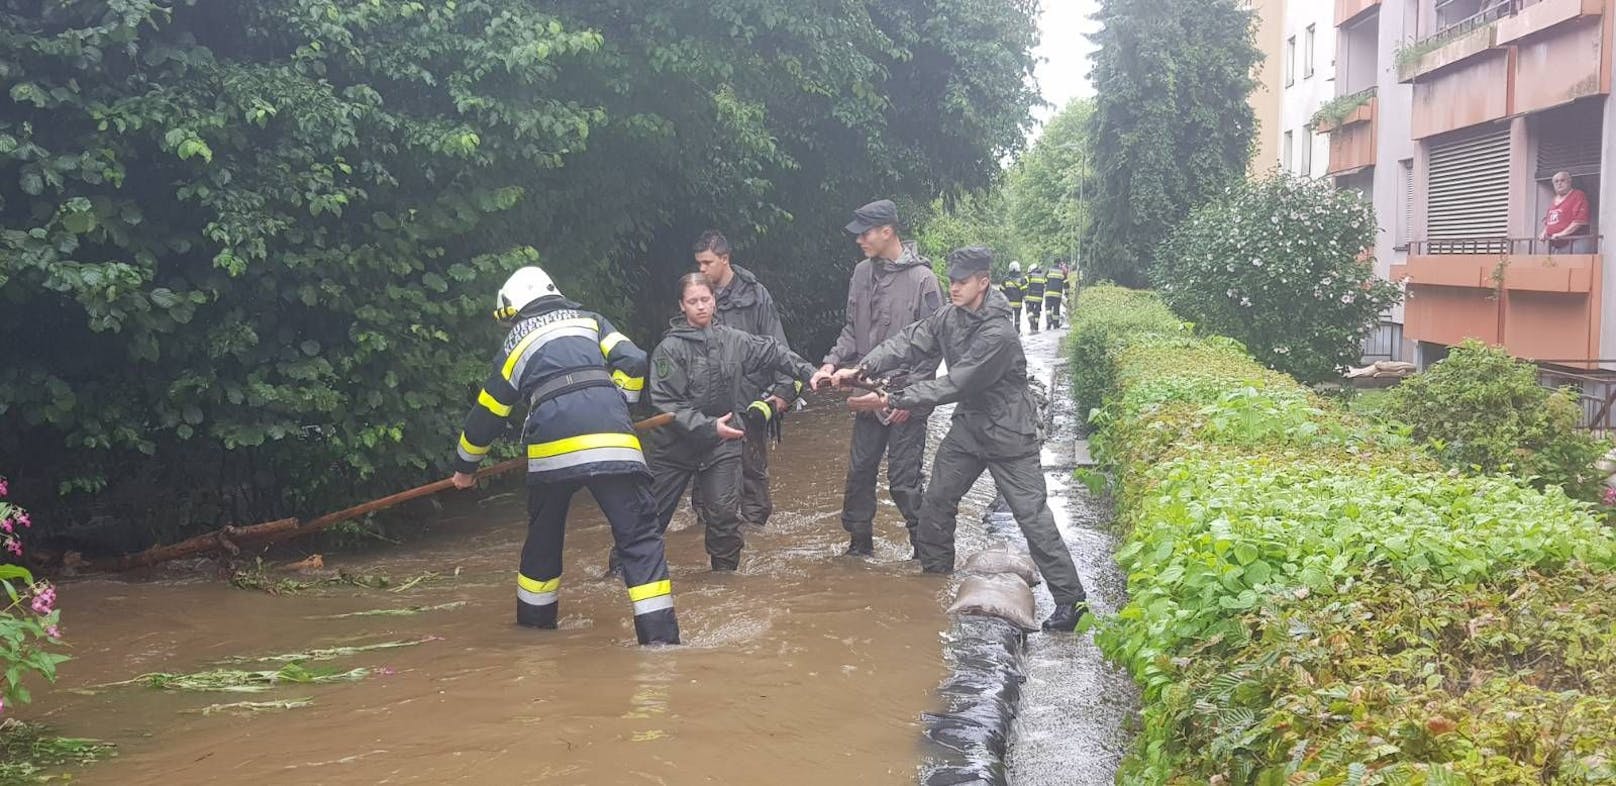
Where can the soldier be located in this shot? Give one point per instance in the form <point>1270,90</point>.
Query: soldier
<point>994,425</point>
<point>1035,295</point>
<point>891,288</point>
<point>745,304</point>
<point>1054,291</point>
<point>577,375</point>
<point>701,374</point>
<point>1015,288</point>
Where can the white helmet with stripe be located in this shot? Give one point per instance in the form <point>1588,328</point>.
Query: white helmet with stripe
<point>1015,267</point>
<point>523,287</point>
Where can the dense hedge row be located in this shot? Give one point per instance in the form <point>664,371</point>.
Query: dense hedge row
<point>1312,600</point>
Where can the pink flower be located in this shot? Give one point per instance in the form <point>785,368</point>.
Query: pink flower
<point>4,488</point>
<point>14,546</point>
<point>54,631</point>
<point>5,524</point>
<point>22,518</point>
<point>44,601</point>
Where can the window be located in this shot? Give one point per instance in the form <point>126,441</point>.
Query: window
<point>1290,61</point>
<point>1285,159</point>
<point>1305,166</point>
<point>1307,53</point>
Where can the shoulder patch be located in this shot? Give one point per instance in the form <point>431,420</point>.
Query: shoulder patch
<point>664,367</point>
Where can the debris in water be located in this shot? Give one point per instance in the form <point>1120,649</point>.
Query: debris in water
<point>235,680</point>
<point>251,707</point>
<point>258,578</point>
<point>330,653</point>
<point>404,612</point>
<point>27,751</point>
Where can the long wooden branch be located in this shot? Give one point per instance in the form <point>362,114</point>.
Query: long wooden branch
<point>228,538</point>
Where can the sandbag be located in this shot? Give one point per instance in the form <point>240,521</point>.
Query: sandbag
<point>1006,597</point>
<point>994,561</point>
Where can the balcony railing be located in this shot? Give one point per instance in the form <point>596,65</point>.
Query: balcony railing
<point>1596,390</point>
<point>1498,246</point>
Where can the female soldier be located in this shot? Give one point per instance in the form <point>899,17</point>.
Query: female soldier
<point>699,373</point>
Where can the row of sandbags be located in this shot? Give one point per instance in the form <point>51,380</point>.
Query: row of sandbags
<point>993,610</point>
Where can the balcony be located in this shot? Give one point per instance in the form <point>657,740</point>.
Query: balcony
<point>1536,16</point>
<point>1447,48</point>
<point>1503,291</point>
<point>1349,11</point>
<point>1350,122</point>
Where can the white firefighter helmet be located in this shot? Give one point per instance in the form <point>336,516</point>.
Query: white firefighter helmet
<point>523,287</point>
<point>1015,267</point>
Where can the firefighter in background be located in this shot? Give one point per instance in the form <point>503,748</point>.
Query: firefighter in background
<point>1054,291</point>
<point>704,373</point>
<point>1015,288</point>
<point>577,375</point>
<point>1035,295</point>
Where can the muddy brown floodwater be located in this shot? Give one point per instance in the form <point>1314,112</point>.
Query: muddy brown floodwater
<point>806,667</point>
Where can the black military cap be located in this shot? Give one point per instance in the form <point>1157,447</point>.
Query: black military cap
<point>879,213</point>
<point>969,261</point>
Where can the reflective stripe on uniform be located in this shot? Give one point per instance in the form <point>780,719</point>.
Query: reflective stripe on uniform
<point>470,452</point>
<point>492,405</point>
<point>763,406</point>
<point>655,596</point>
<point>610,341</point>
<point>536,593</point>
<point>583,449</point>
<point>516,361</point>
<point>627,382</point>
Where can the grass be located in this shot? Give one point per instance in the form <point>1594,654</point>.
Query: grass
<point>237,680</point>
<point>28,753</point>
<point>332,653</point>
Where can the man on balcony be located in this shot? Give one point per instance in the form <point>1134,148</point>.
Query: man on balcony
<point>1565,226</point>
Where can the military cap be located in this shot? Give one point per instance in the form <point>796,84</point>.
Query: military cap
<point>969,261</point>
<point>879,213</point>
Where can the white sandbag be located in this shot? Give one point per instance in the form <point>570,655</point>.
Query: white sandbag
<point>994,561</point>
<point>1003,596</point>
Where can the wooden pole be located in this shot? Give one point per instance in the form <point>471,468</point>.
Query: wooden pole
<point>228,537</point>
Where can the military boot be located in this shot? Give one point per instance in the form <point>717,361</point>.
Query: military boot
<point>1065,618</point>
<point>723,565</point>
<point>861,546</point>
<point>657,627</point>
<point>531,616</point>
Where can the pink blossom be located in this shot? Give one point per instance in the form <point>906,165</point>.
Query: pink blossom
<point>4,487</point>
<point>1610,496</point>
<point>5,524</point>
<point>45,600</point>
<point>23,519</point>
<point>14,546</point>
<point>54,631</point>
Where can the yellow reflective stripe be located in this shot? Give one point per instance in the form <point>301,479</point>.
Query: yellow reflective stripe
<point>627,382</point>
<point>492,405</point>
<point>610,341</point>
<point>582,442</point>
<point>652,590</point>
<point>763,406</point>
<point>534,585</point>
<point>527,341</point>
<point>465,444</point>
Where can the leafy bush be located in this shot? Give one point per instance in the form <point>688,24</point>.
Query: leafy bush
<point>30,620</point>
<point>1111,311</point>
<point>1277,264</point>
<point>1481,409</point>
<point>1313,599</point>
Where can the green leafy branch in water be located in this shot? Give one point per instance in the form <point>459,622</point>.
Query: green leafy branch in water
<point>27,751</point>
<point>404,612</point>
<point>238,681</point>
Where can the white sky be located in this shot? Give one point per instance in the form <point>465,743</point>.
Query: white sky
<point>1063,49</point>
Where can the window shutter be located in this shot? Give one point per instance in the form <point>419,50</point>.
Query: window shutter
<point>1468,194</point>
<point>1570,141</point>
<point>1406,230</point>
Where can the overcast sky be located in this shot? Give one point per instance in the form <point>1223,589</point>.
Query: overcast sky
<point>1064,51</point>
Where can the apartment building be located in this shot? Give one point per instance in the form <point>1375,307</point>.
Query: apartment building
<point>1453,116</point>
<point>1308,54</point>
<point>1266,97</point>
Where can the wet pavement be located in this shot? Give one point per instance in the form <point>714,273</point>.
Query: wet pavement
<point>806,667</point>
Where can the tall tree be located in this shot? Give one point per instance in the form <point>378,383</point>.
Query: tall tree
<point>1050,187</point>
<point>1171,124</point>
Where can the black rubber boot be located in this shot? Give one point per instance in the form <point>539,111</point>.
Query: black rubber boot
<point>536,616</point>
<point>657,627</point>
<point>861,546</point>
<point>725,565</point>
<point>1065,618</point>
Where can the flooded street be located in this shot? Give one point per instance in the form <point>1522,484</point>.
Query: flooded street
<point>806,667</point>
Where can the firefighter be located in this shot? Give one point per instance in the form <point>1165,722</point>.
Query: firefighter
<point>1035,295</point>
<point>577,375</point>
<point>702,374</point>
<point>1054,291</point>
<point>994,427</point>
<point>1015,288</point>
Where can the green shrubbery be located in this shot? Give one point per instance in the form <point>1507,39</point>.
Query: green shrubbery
<point>1277,263</point>
<point>1314,600</point>
<point>1480,409</point>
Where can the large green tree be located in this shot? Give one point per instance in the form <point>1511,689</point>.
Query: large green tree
<point>1050,187</point>
<point>1171,124</point>
<point>251,245</point>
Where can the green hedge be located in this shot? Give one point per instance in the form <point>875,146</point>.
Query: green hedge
<point>1313,600</point>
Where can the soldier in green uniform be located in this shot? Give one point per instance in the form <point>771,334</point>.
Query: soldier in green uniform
<point>994,425</point>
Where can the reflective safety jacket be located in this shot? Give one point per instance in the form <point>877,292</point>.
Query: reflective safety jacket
<point>1014,289</point>
<point>1035,283</point>
<point>577,375</point>
<point>1055,284</point>
<point>700,374</point>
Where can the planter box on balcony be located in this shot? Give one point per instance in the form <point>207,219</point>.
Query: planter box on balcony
<point>1363,114</point>
<point>1462,48</point>
<point>1347,11</point>
<point>1543,15</point>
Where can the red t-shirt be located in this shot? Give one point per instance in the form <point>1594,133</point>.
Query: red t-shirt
<point>1572,209</point>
